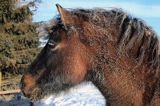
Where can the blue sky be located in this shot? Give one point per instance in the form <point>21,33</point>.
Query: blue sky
<point>147,10</point>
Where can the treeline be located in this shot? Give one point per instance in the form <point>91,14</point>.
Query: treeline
<point>18,37</point>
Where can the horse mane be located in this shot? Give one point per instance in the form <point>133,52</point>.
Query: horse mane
<point>140,40</point>
<point>136,38</point>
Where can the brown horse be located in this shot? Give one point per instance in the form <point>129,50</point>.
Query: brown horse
<point>115,51</point>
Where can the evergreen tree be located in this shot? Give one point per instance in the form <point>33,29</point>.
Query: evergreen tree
<point>6,9</point>
<point>18,36</point>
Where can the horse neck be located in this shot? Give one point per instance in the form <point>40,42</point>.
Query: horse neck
<point>120,74</point>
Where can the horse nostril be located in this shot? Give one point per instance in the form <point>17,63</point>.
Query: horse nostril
<point>21,85</point>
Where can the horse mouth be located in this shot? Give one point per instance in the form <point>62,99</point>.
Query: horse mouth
<point>34,94</point>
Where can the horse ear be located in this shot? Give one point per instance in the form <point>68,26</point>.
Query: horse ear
<point>64,14</point>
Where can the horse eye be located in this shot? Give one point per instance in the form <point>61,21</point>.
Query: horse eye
<point>52,43</point>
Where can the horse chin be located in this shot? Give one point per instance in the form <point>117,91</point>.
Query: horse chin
<point>36,94</point>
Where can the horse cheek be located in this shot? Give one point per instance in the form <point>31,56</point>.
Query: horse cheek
<point>79,70</point>
<point>80,73</point>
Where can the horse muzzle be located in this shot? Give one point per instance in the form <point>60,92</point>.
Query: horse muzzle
<point>27,84</point>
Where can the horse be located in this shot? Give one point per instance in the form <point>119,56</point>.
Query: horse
<point>117,52</point>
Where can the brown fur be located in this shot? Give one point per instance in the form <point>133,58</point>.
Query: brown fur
<point>115,51</point>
